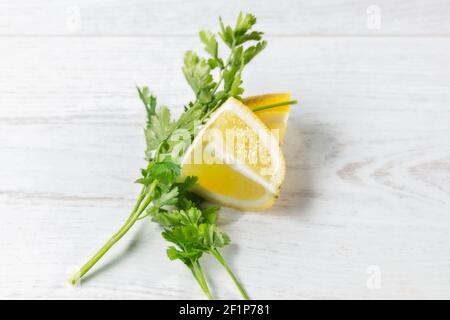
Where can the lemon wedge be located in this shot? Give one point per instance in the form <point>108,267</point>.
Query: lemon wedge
<point>273,118</point>
<point>236,158</point>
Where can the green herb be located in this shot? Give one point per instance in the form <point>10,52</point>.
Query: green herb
<point>191,229</point>
<point>275,105</point>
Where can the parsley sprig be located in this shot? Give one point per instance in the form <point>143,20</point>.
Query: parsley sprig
<point>243,45</point>
<point>187,224</point>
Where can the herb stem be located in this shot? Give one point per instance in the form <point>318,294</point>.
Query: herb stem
<point>274,105</point>
<point>223,262</point>
<point>137,210</point>
<point>200,277</point>
<point>222,72</point>
<point>198,281</point>
<point>265,107</point>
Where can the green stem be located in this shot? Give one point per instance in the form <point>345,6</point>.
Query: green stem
<point>138,209</point>
<point>221,77</point>
<point>268,106</point>
<point>274,105</point>
<point>223,262</point>
<point>198,281</point>
<point>200,277</point>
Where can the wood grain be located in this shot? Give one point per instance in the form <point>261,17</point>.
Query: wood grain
<point>368,154</point>
<point>181,18</point>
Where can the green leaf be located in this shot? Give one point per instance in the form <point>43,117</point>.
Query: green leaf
<point>210,214</point>
<point>149,101</point>
<point>226,34</point>
<point>244,23</point>
<point>158,131</point>
<point>172,253</point>
<point>192,216</point>
<point>167,198</point>
<point>211,44</point>
<point>252,51</point>
<point>165,171</point>
<point>188,183</point>
<point>167,219</point>
<point>217,239</point>
<point>253,36</point>
<point>187,235</point>
<point>144,181</point>
<point>213,63</point>
<point>197,73</point>
<point>190,118</point>
<point>236,90</point>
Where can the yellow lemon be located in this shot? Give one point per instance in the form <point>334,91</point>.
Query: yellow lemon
<point>273,118</point>
<point>236,158</point>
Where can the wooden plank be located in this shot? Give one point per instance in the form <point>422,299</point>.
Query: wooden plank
<point>92,80</point>
<point>367,185</point>
<point>177,17</point>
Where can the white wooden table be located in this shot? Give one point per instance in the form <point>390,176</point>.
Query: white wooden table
<point>365,209</point>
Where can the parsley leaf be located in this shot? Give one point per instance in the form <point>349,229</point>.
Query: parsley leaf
<point>149,101</point>
<point>165,171</point>
<point>210,93</point>
<point>198,74</point>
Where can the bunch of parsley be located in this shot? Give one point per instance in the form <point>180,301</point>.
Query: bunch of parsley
<point>189,226</point>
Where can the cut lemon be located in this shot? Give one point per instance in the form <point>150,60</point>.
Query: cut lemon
<point>236,158</point>
<point>273,118</point>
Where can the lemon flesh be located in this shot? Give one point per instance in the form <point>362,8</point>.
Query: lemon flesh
<point>236,158</point>
<point>273,118</point>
